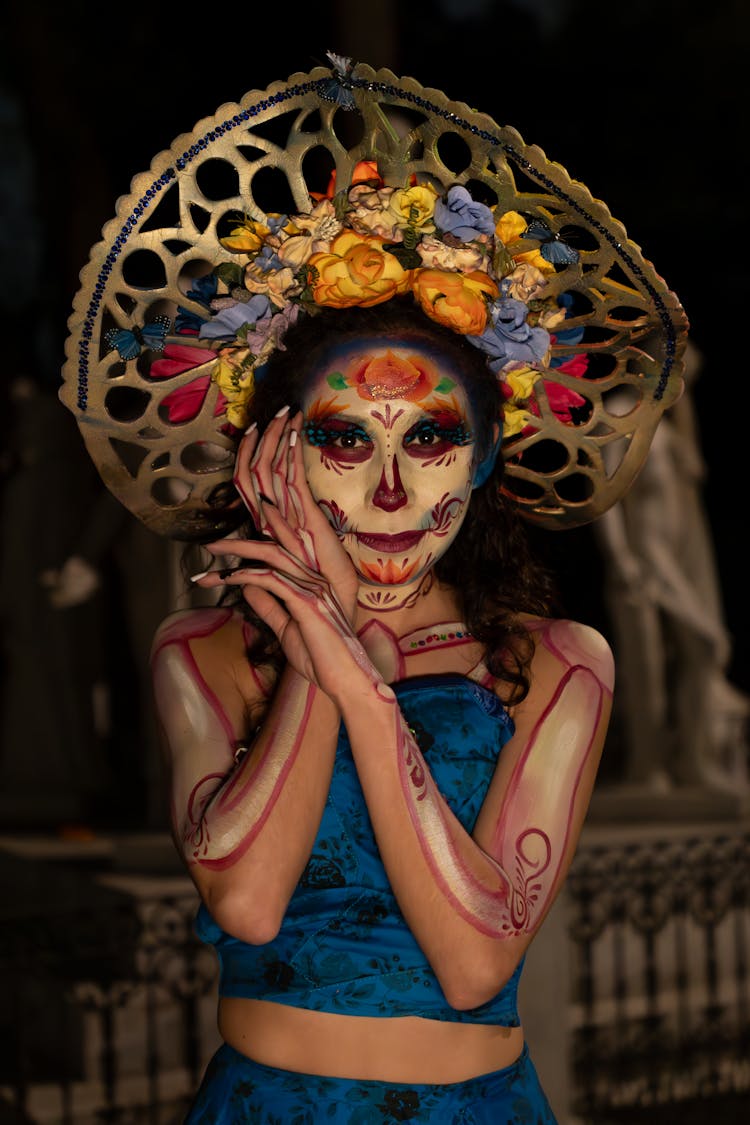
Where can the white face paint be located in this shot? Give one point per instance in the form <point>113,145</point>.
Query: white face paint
<point>389,454</point>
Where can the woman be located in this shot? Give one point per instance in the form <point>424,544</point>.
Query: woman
<point>333,857</point>
<point>381,744</point>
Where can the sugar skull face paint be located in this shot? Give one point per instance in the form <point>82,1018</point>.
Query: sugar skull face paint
<point>389,455</point>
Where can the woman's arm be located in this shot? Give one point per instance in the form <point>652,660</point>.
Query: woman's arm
<point>245,804</point>
<point>475,901</point>
<point>247,800</point>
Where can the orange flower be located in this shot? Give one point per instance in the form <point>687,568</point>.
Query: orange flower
<point>364,170</point>
<point>458,300</point>
<point>356,271</point>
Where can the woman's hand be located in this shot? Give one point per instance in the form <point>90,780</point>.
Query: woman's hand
<point>270,477</point>
<point>299,580</point>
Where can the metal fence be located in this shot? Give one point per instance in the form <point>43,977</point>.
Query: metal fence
<point>108,1000</point>
<point>660,934</point>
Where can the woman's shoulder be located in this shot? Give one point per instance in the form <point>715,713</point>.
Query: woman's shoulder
<point>572,644</point>
<point>221,625</point>
<point>214,640</point>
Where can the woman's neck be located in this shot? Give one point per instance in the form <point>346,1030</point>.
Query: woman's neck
<point>402,609</point>
<point>413,626</point>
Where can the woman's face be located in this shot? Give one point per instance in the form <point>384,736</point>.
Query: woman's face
<point>389,453</point>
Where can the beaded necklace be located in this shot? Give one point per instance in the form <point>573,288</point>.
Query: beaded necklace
<point>442,635</point>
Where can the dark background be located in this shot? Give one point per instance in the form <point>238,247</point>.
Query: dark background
<point>639,100</point>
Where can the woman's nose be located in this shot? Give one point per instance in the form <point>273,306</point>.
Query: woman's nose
<point>390,495</point>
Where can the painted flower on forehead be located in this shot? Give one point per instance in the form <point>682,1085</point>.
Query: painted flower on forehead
<point>388,376</point>
<point>463,218</point>
<point>356,271</point>
<point>458,300</point>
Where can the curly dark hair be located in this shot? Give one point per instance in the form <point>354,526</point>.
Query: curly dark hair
<point>489,564</point>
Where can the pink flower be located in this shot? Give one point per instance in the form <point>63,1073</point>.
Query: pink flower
<point>184,403</point>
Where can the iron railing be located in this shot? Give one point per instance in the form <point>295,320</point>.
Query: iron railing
<point>108,1010</point>
<point>660,933</point>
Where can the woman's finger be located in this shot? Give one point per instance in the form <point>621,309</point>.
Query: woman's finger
<point>261,465</point>
<point>252,472</point>
<point>268,608</point>
<point>242,481</point>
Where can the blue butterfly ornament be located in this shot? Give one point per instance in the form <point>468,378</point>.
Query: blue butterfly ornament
<point>553,249</point>
<point>338,88</point>
<point>130,342</point>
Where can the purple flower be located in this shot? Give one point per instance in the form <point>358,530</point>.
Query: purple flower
<point>508,336</point>
<point>229,320</point>
<point>460,216</point>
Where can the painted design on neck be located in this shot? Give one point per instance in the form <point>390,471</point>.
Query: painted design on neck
<point>385,601</point>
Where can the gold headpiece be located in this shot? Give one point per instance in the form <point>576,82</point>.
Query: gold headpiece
<point>348,186</point>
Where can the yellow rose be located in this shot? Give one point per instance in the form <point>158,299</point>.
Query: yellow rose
<point>458,300</point>
<point>514,420</point>
<point>356,271</point>
<point>415,206</point>
<point>521,382</point>
<point>247,238</point>
<point>234,374</point>
<point>534,258</point>
<point>510,227</point>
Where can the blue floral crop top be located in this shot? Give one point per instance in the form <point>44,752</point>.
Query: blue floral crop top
<point>344,945</point>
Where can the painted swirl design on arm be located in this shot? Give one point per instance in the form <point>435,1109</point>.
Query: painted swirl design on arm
<point>535,820</point>
<point>218,816</point>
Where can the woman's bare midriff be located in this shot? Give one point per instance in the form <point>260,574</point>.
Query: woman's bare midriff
<point>401,1049</point>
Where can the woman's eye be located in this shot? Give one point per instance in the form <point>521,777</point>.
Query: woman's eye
<point>339,440</point>
<point>346,441</point>
<point>431,435</point>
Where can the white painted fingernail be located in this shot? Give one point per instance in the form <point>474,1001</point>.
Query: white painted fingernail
<point>293,437</point>
<point>283,410</point>
<point>250,428</point>
<point>195,577</point>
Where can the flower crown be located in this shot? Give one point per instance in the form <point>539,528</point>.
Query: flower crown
<point>479,273</point>
<point>196,279</point>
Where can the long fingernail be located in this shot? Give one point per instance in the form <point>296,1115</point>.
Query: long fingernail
<point>279,413</point>
<point>293,437</point>
<point>195,577</point>
<point>250,428</point>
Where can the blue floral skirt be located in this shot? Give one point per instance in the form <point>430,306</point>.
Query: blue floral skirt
<point>237,1091</point>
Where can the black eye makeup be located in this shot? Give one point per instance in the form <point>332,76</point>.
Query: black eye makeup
<point>338,439</point>
<point>434,433</point>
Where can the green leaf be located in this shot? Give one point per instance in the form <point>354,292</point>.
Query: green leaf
<point>408,259</point>
<point>230,273</point>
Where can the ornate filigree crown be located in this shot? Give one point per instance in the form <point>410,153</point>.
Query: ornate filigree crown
<point>242,226</point>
